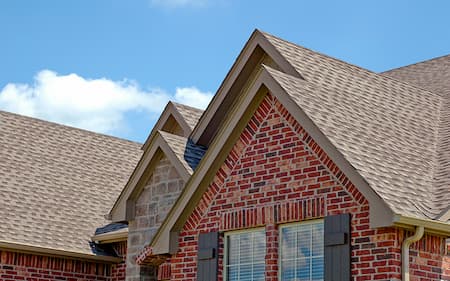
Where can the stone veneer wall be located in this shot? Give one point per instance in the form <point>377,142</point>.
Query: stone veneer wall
<point>152,206</point>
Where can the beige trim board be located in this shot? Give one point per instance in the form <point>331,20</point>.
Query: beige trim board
<point>111,237</point>
<point>122,209</point>
<point>235,80</point>
<point>431,226</point>
<point>29,249</point>
<point>381,215</point>
<point>169,110</point>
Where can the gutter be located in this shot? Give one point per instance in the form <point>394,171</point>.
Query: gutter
<point>111,237</point>
<point>431,226</point>
<point>405,250</point>
<point>29,249</point>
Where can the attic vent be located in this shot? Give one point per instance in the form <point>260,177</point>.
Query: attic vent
<point>171,126</point>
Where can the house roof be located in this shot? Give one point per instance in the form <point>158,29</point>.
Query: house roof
<point>188,153</point>
<point>434,75</point>
<point>190,114</point>
<point>58,182</point>
<point>387,129</point>
<point>381,131</point>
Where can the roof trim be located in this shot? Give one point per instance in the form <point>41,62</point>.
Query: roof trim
<point>156,144</point>
<point>431,226</point>
<point>257,39</point>
<point>380,215</point>
<point>16,247</point>
<point>169,110</point>
<point>110,237</point>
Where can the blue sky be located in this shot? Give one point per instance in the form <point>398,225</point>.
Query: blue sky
<point>110,66</point>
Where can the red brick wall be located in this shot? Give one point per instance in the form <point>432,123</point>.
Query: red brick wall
<point>426,259</point>
<point>276,173</point>
<point>21,266</point>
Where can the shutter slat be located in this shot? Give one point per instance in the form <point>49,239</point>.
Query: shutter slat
<point>337,249</point>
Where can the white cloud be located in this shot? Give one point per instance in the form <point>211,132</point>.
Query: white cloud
<point>179,3</point>
<point>98,105</point>
<point>193,97</point>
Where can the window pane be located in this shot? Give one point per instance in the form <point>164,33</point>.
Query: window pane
<point>317,269</point>
<point>317,242</point>
<point>258,272</point>
<point>288,247</point>
<point>301,255</point>
<point>233,272</point>
<point>245,256</point>
<point>288,270</point>
<point>304,242</point>
<point>303,269</point>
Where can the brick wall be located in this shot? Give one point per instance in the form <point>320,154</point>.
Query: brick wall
<point>20,266</point>
<point>276,173</point>
<point>152,206</point>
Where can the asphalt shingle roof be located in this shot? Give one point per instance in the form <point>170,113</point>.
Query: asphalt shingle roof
<point>186,151</point>
<point>190,114</point>
<point>58,182</point>
<point>387,129</point>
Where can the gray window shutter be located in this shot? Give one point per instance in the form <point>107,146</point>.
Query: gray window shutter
<point>207,258</point>
<point>337,249</point>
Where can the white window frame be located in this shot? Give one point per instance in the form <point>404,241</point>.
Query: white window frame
<point>280,240</point>
<point>226,253</point>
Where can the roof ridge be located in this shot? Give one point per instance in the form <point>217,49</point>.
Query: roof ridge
<point>416,63</point>
<point>320,53</point>
<point>185,105</point>
<point>53,123</point>
<point>381,74</point>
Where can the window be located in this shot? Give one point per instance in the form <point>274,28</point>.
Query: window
<point>245,255</point>
<point>301,251</point>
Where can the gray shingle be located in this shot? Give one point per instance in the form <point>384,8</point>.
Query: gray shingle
<point>187,152</point>
<point>434,75</point>
<point>385,128</point>
<point>190,114</point>
<point>58,182</point>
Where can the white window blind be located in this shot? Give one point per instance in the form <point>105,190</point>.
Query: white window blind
<point>301,252</point>
<point>245,256</point>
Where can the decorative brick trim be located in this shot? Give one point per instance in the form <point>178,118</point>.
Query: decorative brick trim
<point>146,257</point>
<point>54,263</point>
<point>273,214</point>
<point>146,252</point>
<point>164,271</point>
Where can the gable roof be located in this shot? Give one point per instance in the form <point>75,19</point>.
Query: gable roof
<point>382,132</point>
<point>183,154</point>
<point>190,114</point>
<point>57,182</point>
<point>177,119</point>
<point>387,129</point>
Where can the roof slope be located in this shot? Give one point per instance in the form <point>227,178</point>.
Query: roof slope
<point>188,153</point>
<point>190,114</point>
<point>434,75</point>
<point>57,182</point>
<point>387,129</point>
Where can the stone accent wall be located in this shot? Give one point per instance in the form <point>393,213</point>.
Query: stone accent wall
<point>152,206</point>
<point>276,165</point>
